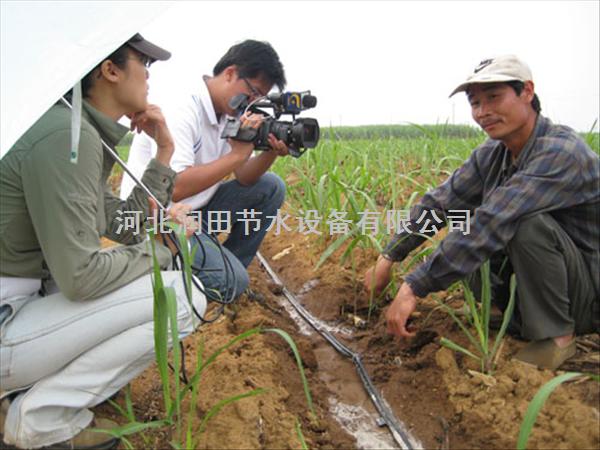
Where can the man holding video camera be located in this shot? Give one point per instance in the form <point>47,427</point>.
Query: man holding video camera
<point>532,193</point>
<point>203,158</point>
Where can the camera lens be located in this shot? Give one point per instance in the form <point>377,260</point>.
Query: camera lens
<point>302,133</point>
<point>305,133</point>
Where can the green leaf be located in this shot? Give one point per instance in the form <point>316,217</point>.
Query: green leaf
<point>171,301</point>
<point>300,435</point>
<point>486,302</point>
<point>508,312</point>
<point>194,379</point>
<point>452,346</point>
<point>294,348</point>
<point>462,326</point>
<point>120,410</point>
<point>131,428</point>
<point>474,315</point>
<point>216,408</point>
<point>350,248</point>
<point>536,405</point>
<point>192,404</point>
<point>332,248</point>
<point>129,404</point>
<point>420,255</point>
<point>161,343</point>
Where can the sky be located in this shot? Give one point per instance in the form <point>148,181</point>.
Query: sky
<point>391,62</point>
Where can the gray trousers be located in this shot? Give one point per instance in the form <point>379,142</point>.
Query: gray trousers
<point>555,292</point>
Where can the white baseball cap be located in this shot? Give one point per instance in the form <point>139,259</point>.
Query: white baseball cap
<point>495,70</point>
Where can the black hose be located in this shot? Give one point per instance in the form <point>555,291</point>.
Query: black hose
<point>394,425</point>
<point>230,295</point>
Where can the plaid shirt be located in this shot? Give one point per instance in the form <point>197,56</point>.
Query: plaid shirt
<point>555,173</point>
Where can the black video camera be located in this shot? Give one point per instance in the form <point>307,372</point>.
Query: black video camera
<point>298,135</point>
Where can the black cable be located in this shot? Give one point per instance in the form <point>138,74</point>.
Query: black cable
<point>230,292</point>
<point>384,410</point>
<point>182,372</point>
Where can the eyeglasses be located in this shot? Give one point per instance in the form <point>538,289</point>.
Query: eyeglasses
<point>253,91</point>
<point>144,59</point>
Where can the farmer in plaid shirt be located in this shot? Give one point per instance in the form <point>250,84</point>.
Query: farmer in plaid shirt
<point>532,190</point>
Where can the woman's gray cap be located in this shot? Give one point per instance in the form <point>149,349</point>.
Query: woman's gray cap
<point>148,48</point>
<point>497,70</point>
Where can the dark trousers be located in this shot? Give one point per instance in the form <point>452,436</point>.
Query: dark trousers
<point>555,293</point>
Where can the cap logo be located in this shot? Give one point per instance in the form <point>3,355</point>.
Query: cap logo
<point>483,64</point>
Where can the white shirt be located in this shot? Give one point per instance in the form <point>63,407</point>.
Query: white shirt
<point>197,136</point>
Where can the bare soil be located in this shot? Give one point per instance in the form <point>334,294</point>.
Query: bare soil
<point>439,395</point>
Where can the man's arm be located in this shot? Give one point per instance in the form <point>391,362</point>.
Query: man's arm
<point>461,191</point>
<point>552,180</point>
<point>198,178</point>
<point>249,172</point>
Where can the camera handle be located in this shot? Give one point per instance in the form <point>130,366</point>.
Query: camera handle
<point>296,153</point>
<point>233,129</point>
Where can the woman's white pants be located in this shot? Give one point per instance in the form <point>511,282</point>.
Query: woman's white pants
<point>74,355</point>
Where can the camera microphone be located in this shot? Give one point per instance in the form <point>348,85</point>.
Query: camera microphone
<point>276,98</point>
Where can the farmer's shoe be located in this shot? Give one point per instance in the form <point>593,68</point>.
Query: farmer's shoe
<point>91,440</point>
<point>85,440</point>
<point>545,354</point>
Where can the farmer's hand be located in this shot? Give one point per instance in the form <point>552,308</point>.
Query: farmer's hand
<point>400,310</point>
<point>244,149</point>
<point>378,276</point>
<point>178,213</point>
<point>277,145</point>
<point>153,123</point>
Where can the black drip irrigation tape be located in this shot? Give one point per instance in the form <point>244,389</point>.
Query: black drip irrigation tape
<point>387,416</point>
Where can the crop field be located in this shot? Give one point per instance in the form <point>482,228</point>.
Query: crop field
<point>343,199</point>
